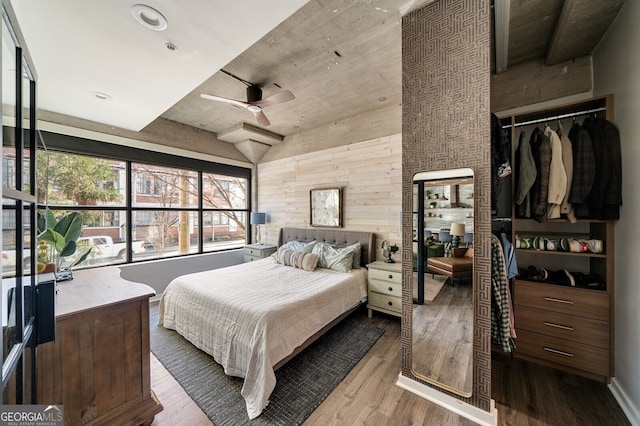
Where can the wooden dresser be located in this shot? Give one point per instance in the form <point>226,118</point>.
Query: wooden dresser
<point>385,288</point>
<point>563,326</point>
<point>98,367</point>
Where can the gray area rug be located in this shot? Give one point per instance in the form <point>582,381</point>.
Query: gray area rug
<point>302,384</point>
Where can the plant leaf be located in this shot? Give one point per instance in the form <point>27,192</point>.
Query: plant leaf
<point>68,249</point>
<point>54,239</point>
<point>70,226</point>
<point>82,257</point>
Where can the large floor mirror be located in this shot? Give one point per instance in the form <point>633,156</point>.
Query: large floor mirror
<point>442,329</point>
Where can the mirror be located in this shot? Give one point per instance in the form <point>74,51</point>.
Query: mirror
<point>442,330</point>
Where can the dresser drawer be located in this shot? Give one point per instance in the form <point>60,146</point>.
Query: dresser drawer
<point>389,276</point>
<point>249,258</point>
<point>385,301</point>
<point>562,326</point>
<point>385,287</point>
<point>564,352</point>
<point>569,300</point>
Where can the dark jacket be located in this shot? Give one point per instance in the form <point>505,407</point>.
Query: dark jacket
<point>584,169</point>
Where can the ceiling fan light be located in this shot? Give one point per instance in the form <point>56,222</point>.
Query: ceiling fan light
<point>149,17</point>
<point>254,108</point>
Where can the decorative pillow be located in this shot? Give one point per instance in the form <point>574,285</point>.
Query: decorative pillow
<point>299,245</point>
<point>297,259</point>
<point>357,254</point>
<point>331,257</point>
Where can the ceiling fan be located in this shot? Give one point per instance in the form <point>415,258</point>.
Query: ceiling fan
<point>254,102</point>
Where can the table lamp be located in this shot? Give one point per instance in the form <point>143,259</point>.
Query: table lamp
<point>258,219</point>
<point>457,231</point>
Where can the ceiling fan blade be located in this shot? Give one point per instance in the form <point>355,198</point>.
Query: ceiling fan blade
<point>262,119</point>
<point>225,100</point>
<point>276,98</point>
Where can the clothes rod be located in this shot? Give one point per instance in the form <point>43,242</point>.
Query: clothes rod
<point>557,117</point>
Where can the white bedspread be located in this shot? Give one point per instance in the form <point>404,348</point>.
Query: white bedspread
<point>251,316</point>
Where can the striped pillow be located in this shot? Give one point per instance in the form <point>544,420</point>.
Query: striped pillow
<point>297,259</point>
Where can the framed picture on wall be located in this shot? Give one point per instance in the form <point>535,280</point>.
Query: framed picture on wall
<point>326,207</point>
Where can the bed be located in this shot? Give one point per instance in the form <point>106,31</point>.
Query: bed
<point>254,317</point>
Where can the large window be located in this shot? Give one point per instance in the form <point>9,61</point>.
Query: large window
<point>134,211</point>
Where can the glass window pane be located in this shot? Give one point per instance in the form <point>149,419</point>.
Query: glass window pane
<point>156,186</point>
<point>223,230</point>
<point>224,192</point>
<point>166,233</point>
<point>8,108</point>
<point>83,180</point>
<point>103,236</point>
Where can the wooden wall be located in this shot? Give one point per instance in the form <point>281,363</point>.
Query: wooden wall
<point>369,173</point>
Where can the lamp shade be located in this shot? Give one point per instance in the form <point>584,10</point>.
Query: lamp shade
<point>457,229</point>
<point>258,218</point>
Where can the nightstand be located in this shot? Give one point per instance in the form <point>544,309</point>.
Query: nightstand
<point>385,288</point>
<point>257,251</point>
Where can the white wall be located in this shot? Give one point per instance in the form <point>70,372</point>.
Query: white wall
<point>616,69</point>
<point>158,274</point>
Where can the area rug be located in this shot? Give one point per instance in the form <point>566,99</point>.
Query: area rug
<point>432,286</point>
<point>302,384</point>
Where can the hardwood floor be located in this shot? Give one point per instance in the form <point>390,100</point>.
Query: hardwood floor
<point>443,336</point>
<point>525,394</point>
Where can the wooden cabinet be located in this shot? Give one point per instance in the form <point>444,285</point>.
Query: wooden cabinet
<point>99,367</point>
<point>564,324</point>
<point>257,251</point>
<point>384,288</point>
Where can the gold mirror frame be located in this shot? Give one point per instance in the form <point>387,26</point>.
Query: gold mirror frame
<point>450,363</point>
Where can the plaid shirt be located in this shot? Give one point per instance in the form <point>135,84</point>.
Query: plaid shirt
<point>500,317</point>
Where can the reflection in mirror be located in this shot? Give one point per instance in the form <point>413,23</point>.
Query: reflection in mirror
<point>442,322</point>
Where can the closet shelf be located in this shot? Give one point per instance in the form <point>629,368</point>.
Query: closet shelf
<point>561,253</point>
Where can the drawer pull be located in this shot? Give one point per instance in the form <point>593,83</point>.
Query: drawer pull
<point>555,351</point>
<point>390,303</point>
<point>552,299</point>
<point>564,327</point>
<point>390,288</point>
<point>390,276</point>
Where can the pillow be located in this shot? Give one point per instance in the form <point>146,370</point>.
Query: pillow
<point>331,257</point>
<point>357,254</point>
<point>299,245</point>
<point>297,258</point>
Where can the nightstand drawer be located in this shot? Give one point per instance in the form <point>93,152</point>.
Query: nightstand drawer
<point>384,301</point>
<point>563,326</point>
<point>385,287</point>
<point>560,351</point>
<point>575,301</point>
<point>256,251</point>
<point>389,276</point>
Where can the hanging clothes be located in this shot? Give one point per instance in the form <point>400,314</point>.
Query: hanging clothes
<point>500,145</point>
<point>501,309</point>
<point>557,175</point>
<point>584,169</point>
<point>526,176</point>
<point>541,150</point>
<point>566,208</point>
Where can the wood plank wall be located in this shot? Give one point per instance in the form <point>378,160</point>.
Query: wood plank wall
<point>369,172</point>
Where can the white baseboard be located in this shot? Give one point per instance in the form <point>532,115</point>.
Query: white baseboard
<point>450,403</point>
<point>632,412</point>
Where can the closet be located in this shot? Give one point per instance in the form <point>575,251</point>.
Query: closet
<point>563,296</point>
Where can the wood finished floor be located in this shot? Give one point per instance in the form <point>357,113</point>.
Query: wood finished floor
<point>525,394</point>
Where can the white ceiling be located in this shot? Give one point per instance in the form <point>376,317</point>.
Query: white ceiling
<point>82,46</point>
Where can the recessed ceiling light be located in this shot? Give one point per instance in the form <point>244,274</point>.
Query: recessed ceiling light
<point>100,95</point>
<point>149,17</point>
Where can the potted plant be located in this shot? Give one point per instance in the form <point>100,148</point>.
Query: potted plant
<point>59,237</point>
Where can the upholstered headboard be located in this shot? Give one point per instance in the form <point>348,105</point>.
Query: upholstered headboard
<point>333,236</point>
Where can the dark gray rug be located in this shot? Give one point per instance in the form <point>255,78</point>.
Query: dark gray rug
<point>302,384</point>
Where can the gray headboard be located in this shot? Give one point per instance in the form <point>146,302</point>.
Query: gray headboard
<point>333,236</point>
